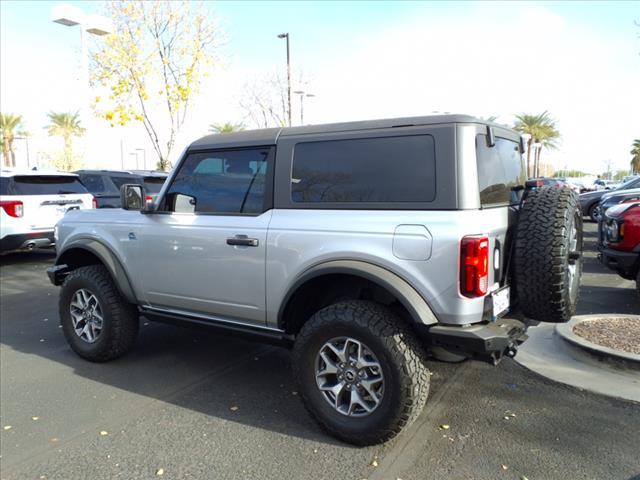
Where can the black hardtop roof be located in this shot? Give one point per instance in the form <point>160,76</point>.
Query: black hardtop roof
<point>268,136</point>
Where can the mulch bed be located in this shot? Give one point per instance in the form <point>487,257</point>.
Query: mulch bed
<point>618,333</point>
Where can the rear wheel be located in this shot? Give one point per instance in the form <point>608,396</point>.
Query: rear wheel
<point>548,255</point>
<point>96,320</point>
<point>360,372</point>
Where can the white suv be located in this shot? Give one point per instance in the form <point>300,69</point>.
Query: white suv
<point>32,202</point>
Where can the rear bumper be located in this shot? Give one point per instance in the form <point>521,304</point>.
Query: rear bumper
<point>626,262</point>
<point>486,341</point>
<point>27,241</point>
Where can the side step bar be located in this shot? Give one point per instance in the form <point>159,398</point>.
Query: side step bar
<point>263,334</point>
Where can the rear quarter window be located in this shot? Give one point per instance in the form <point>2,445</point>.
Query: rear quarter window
<point>501,168</point>
<point>364,170</point>
<point>153,184</point>
<point>98,183</point>
<point>46,185</point>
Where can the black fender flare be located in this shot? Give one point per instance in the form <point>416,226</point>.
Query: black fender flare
<point>108,259</point>
<point>415,304</point>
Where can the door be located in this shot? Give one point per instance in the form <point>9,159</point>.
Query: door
<point>204,251</point>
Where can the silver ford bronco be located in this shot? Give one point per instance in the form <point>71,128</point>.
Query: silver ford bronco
<point>367,247</point>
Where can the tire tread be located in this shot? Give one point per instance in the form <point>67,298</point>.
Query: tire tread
<point>123,315</point>
<point>400,342</point>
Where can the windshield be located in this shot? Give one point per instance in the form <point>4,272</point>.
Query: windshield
<point>633,183</point>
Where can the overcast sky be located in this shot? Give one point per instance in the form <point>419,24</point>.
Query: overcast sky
<point>578,60</point>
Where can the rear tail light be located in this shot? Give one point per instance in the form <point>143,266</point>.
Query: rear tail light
<point>148,199</point>
<point>535,183</point>
<point>94,202</point>
<point>474,266</point>
<point>13,208</point>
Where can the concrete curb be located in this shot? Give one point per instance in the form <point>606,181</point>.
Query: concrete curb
<point>565,331</point>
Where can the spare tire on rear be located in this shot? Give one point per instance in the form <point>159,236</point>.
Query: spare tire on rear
<point>548,254</point>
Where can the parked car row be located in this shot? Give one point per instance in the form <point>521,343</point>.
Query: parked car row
<point>593,204</point>
<point>105,184</point>
<point>32,201</point>
<point>619,240</point>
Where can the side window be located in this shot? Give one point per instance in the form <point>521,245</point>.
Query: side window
<point>384,169</point>
<point>230,181</point>
<point>500,169</point>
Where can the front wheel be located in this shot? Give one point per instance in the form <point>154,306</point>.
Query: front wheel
<point>360,372</point>
<point>96,320</point>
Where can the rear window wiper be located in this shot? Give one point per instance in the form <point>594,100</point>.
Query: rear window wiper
<point>63,192</point>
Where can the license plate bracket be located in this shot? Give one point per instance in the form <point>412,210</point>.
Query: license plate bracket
<point>501,300</point>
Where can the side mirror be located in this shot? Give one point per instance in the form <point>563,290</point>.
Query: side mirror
<point>132,197</point>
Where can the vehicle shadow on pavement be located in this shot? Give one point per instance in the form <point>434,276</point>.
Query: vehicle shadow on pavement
<point>219,376</point>
<point>21,258</point>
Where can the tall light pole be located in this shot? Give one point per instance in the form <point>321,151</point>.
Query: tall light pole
<point>302,95</point>
<point>286,35</point>
<point>144,157</point>
<point>70,16</point>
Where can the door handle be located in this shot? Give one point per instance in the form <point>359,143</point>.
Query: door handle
<point>242,240</point>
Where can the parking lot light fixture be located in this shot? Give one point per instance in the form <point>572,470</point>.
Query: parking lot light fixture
<point>286,36</point>
<point>99,25</point>
<point>302,94</point>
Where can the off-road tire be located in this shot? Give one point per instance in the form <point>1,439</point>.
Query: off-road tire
<point>401,357</point>
<point>592,212</point>
<point>542,254</point>
<point>120,318</point>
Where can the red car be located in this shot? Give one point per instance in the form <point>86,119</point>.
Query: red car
<point>619,240</point>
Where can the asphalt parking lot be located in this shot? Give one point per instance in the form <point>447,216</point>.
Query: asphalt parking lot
<point>186,404</point>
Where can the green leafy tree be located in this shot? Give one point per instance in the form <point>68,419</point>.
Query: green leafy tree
<point>635,156</point>
<point>542,129</point>
<point>152,65</point>
<point>9,124</point>
<point>65,125</point>
<point>226,127</point>
<point>570,173</point>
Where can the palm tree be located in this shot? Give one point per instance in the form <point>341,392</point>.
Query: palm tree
<point>548,138</point>
<point>226,127</point>
<point>8,124</point>
<point>541,129</point>
<point>635,156</point>
<point>66,125</point>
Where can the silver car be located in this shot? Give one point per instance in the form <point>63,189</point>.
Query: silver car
<point>364,246</point>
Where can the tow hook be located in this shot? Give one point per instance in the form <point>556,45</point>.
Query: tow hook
<point>511,352</point>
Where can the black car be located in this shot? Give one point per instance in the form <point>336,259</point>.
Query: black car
<point>105,184</point>
<point>589,201</point>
